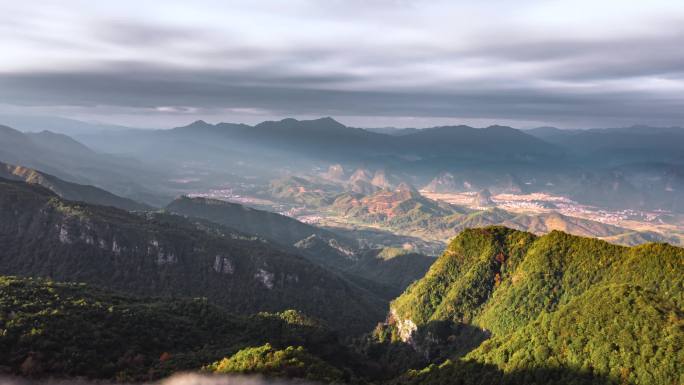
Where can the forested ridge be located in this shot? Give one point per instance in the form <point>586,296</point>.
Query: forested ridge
<point>558,302</point>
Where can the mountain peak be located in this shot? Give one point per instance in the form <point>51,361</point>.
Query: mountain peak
<point>407,189</point>
<point>9,131</point>
<point>500,128</point>
<point>329,120</point>
<point>198,124</point>
<point>324,122</point>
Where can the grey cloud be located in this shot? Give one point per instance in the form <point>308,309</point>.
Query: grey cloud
<point>500,72</point>
<point>578,59</point>
<point>144,88</point>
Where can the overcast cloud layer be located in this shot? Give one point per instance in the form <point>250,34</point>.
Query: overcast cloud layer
<point>367,63</point>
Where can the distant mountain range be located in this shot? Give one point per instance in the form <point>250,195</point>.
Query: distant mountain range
<point>327,140</point>
<point>56,124</point>
<point>635,167</point>
<point>634,144</point>
<point>618,168</point>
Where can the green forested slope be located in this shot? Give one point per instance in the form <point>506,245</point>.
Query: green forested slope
<point>623,331</point>
<point>557,303</point>
<point>65,329</point>
<point>291,362</point>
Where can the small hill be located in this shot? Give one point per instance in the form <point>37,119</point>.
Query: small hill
<point>637,238</point>
<point>536,301</point>
<point>305,191</point>
<point>394,206</point>
<point>168,255</point>
<point>67,190</point>
<point>361,182</point>
<point>292,362</point>
<point>546,222</point>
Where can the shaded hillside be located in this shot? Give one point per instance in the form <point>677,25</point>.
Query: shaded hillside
<point>69,329</point>
<point>386,272</point>
<point>167,255</point>
<point>67,190</point>
<point>395,268</point>
<point>634,338</point>
<point>537,298</point>
<point>320,245</point>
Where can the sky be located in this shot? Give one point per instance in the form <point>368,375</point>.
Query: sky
<point>403,63</point>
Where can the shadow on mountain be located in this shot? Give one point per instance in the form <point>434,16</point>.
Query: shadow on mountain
<point>439,340</point>
<point>432,343</point>
<point>435,357</point>
<point>475,373</point>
